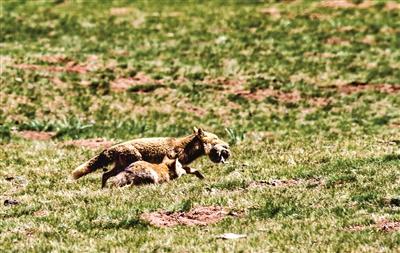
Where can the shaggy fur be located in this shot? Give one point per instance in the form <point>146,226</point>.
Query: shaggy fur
<point>142,172</point>
<point>153,150</point>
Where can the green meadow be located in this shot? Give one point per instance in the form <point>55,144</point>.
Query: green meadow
<point>307,93</point>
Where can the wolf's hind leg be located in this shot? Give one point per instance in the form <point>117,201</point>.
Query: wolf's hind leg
<point>115,171</point>
<point>125,157</point>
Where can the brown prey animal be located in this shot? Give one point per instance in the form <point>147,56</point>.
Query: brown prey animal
<point>153,150</point>
<point>141,172</point>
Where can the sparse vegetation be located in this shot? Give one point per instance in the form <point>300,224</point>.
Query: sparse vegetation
<point>307,93</point>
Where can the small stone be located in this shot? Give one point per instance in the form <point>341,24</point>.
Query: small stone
<point>11,202</point>
<point>395,201</point>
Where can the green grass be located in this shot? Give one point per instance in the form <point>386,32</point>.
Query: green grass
<point>194,56</point>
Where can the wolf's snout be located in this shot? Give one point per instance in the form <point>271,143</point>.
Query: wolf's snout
<point>225,153</point>
<point>219,153</point>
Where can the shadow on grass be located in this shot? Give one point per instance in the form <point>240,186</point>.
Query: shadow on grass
<point>130,223</point>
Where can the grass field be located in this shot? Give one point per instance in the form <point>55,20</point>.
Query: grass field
<point>307,94</point>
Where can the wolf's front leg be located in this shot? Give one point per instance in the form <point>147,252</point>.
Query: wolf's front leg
<point>192,171</point>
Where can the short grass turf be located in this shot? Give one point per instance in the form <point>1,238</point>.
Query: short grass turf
<point>301,90</point>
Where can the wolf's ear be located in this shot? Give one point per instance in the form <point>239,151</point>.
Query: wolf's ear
<point>195,130</point>
<point>198,131</point>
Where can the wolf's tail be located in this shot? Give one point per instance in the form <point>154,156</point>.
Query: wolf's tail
<point>97,162</point>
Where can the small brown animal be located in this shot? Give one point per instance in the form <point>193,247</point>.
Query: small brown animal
<point>153,150</point>
<point>142,172</point>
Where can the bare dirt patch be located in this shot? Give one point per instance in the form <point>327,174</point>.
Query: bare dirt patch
<point>360,86</point>
<point>271,11</point>
<point>59,83</point>
<point>260,94</point>
<point>35,135</point>
<point>388,226</point>
<point>318,16</point>
<point>392,6</point>
<point>227,83</point>
<point>124,83</point>
<point>189,107</point>
<point>337,4</point>
<point>69,67</point>
<point>41,213</point>
<point>320,101</point>
<point>337,41</point>
<point>199,216</point>
<point>383,225</point>
<point>346,4</point>
<point>55,59</point>
<point>369,40</point>
<point>90,143</point>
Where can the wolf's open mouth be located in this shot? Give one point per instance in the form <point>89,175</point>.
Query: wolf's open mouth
<point>219,155</point>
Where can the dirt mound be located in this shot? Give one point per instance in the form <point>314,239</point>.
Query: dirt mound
<point>36,135</point>
<point>90,143</point>
<point>199,216</point>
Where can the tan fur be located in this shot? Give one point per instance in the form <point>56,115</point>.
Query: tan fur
<point>142,172</point>
<point>153,150</point>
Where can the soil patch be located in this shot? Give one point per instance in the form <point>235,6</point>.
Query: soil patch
<point>199,216</point>
<point>40,213</point>
<point>345,4</point>
<point>229,84</point>
<point>337,41</point>
<point>189,107</point>
<point>360,86</point>
<point>55,59</point>
<point>260,94</point>
<point>70,67</point>
<point>35,135</point>
<point>123,84</point>
<point>90,143</point>
<point>383,225</point>
<point>392,6</point>
<point>272,11</point>
<point>320,101</point>
<point>388,226</point>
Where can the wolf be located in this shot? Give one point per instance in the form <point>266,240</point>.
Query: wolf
<point>142,172</point>
<point>153,150</point>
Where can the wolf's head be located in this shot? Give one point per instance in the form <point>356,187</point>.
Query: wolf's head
<point>216,149</point>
